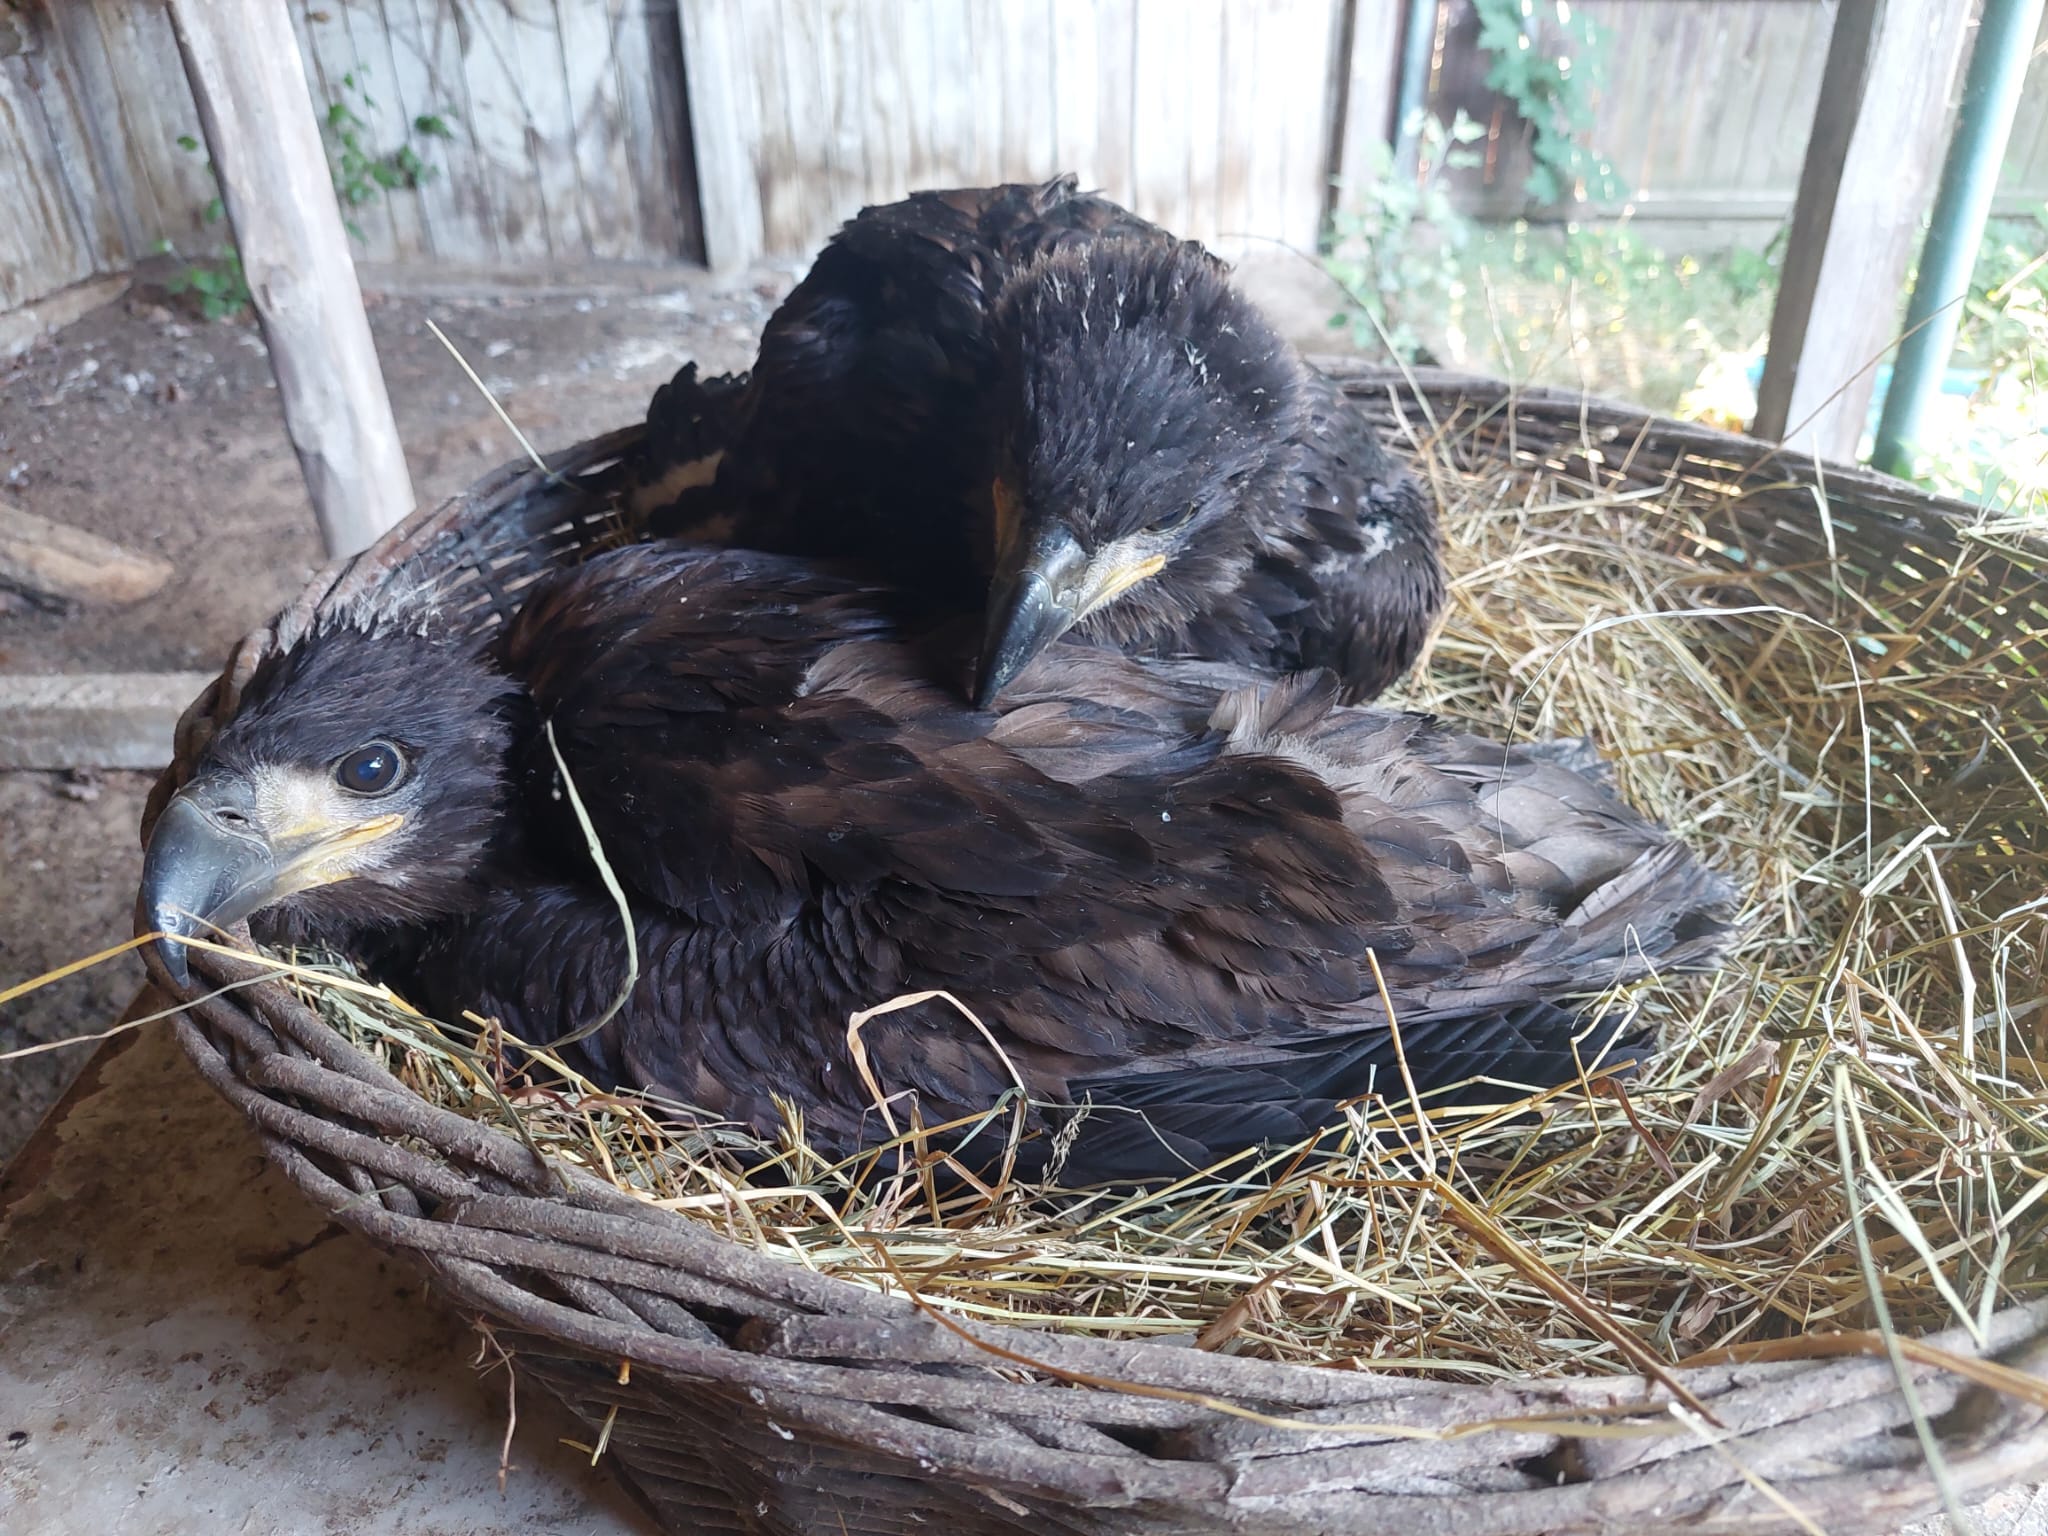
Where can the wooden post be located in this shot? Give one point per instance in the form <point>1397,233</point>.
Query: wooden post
<point>1866,184</point>
<point>1372,83</point>
<point>243,62</point>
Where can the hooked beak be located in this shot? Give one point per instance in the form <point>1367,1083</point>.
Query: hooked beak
<point>210,864</point>
<point>1035,599</point>
<point>1031,602</point>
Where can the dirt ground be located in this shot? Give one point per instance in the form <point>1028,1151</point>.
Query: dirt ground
<point>161,432</point>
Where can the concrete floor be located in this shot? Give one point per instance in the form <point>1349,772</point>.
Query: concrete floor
<point>187,1349</point>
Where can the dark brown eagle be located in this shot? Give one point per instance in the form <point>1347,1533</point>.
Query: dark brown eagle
<point>1025,401</point>
<point>1162,885</point>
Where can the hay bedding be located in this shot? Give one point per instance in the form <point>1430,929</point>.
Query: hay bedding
<point>1844,1131</point>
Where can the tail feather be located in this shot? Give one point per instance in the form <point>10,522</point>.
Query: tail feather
<point>1169,1124</point>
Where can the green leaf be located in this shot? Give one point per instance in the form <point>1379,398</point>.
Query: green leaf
<point>187,143</point>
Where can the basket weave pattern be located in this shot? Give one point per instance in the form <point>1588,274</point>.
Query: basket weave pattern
<point>765,1399</point>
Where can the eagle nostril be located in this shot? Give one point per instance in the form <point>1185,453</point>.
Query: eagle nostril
<point>230,818</point>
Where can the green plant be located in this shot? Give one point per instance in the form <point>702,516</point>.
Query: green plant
<point>216,280</point>
<point>1550,70</point>
<point>1397,246</point>
<point>361,173</point>
<point>1990,450</point>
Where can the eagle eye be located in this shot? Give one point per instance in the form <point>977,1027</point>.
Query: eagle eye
<point>372,769</point>
<point>1179,517</point>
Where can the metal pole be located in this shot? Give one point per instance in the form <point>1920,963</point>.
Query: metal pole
<point>1418,44</point>
<point>1969,176</point>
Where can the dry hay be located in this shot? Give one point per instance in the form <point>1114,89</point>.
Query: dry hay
<point>1844,1130</point>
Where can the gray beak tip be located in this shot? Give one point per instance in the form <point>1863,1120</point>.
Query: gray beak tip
<point>198,873</point>
<point>171,955</point>
<point>1029,606</point>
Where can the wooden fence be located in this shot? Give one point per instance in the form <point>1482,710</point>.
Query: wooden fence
<point>569,140</point>
<point>1212,116</point>
<point>1705,115</point>
<point>663,130</point>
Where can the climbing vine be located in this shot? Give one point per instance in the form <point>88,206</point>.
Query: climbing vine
<point>1551,67</point>
<point>216,282</point>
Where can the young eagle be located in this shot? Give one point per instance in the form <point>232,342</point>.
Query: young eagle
<point>1028,402</point>
<point>1172,896</point>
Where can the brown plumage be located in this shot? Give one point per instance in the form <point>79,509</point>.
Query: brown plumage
<point>1161,884</point>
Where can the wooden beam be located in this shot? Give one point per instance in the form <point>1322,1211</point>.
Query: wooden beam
<point>93,719</point>
<point>243,61</point>
<point>1863,191</point>
<point>40,556</point>
<point>22,328</point>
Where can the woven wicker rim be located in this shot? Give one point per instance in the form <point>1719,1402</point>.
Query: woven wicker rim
<point>764,1398</point>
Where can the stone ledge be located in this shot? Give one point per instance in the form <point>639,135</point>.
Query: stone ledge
<point>93,719</point>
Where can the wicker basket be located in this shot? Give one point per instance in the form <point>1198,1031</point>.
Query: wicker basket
<point>762,1398</point>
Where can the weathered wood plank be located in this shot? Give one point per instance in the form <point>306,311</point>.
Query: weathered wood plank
<point>1024,36</point>
<point>42,246</point>
<point>1239,130</point>
<point>1370,93</point>
<point>1116,51</point>
<point>796,203</point>
<point>609,187</point>
<point>649,56</point>
<point>1300,98</point>
<point>1207,68</point>
<point>253,105</point>
<point>537,65</point>
<point>985,73</point>
<point>886,120</point>
<point>725,128</point>
<point>329,58</point>
<point>950,108</point>
<point>501,125</point>
<point>1267,64</point>
<point>1159,105</point>
<point>455,202</point>
<point>1870,169</point>
<point>49,76</point>
<point>2023,183</point>
<point>153,111</point>
<point>1076,100</point>
<point>376,101</point>
<point>37,555</point>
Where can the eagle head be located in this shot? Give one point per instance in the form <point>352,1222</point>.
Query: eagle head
<point>1147,413</point>
<point>359,785</point>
